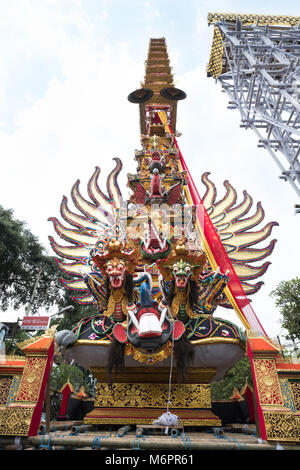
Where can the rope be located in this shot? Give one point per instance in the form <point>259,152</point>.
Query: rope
<point>168,419</point>
<point>135,445</point>
<point>96,443</point>
<point>171,369</point>
<point>45,446</point>
<point>186,441</point>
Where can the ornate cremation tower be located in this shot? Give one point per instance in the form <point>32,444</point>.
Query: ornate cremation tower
<point>156,267</point>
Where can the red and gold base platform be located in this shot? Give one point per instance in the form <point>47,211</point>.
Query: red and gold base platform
<point>23,381</point>
<point>139,396</point>
<point>277,390</point>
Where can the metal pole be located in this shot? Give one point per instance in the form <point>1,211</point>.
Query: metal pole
<point>69,307</point>
<point>14,332</point>
<point>34,291</point>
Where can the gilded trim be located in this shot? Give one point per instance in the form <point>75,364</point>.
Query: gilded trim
<point>254,19</point>
<point>219,340</point>
<point>146,416</point>
<point>152,395</point>
<point>282,426</point>
<point>89,342</point>
<point>187,422</point>
<point>267,382</point>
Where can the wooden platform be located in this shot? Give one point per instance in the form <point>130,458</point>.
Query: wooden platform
<point>241,437</point>
<point>146,416</point>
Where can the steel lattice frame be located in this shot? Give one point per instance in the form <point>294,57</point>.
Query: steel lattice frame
<point>260,72</point>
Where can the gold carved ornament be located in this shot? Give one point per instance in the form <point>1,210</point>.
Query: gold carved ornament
<point>152,395</point>
<point>5,384</point>
<point>24,394</point>
<point>147,358</point>
<point>117,250</point>
<point>215,64</point>
<point>31,381</point>
<point>295,388</point>
<point>251,19</point>
<point>15,421</point>
<point>281,426</point>
<point>117,296</point>
<point>267,382</point>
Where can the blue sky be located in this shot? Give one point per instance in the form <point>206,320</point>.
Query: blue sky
<point>66,68</point>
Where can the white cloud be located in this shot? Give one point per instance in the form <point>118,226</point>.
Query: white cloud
<point>72,128</point>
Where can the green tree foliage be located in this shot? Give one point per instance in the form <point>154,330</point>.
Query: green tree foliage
<point>287,298</point>
<point>11,344</point>
<point>22,258</point>
<point>22,262</point>
<point>237,377</point>
<point>60,375</point>
<point>77,376</point>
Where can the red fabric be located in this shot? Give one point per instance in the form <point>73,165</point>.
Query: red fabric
<point>64,402</point>
<point>156,119</point>
<point>249,397</point>
<point>36,416</point>
<point>219,253</point>
<point>260,416</point>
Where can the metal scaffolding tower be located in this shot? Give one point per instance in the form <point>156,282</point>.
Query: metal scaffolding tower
<point>256,59</point>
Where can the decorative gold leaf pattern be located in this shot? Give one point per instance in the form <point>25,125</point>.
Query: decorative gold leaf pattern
<point>254,19</point>
<point>31,379</point>
<point>268,384</point>
<point>15,421</point>
<point>282,426</point>
<point>147,395</point>
<point>5,383</point>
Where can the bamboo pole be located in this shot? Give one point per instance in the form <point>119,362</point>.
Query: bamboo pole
<point>13,443</point>
<point>123,430</point>
<point>238,428</point>
<point>59,426</point>
<point>81,428</point>
<point>10,447</point>
<point>99,442</point>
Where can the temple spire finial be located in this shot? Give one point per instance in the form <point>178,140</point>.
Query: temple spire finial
<point>158,92</point>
